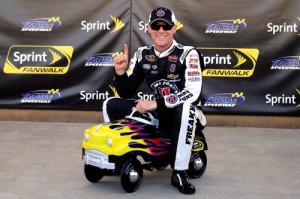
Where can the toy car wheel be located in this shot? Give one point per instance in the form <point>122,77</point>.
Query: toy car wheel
<point>93,174</point>
<point>131,175</point>
<point>197,165</point>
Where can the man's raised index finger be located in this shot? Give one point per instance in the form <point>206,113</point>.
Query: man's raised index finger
<point>126,49</point>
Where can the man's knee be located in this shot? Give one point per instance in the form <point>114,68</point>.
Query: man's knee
<point>109,103</point>
<point>116,108</point>
<point>107,108</point>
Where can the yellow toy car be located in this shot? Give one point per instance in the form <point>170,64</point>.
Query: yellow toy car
<point>119,147</point>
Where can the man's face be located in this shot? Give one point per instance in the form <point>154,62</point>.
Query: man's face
<point>162,35</point>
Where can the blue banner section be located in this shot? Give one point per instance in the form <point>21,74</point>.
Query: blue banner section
<point>60,56</point>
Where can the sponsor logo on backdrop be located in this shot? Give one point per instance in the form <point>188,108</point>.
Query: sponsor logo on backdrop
<point>283,27</point>
<point>101,59</point>
<point>41,24</point>
<point>298,21</point>
<point>103,25</point>
<point>92,96</point>
<point>87,96</point>
<point>286,63</point>
<point>143,25</point>
<point>140,95</point>
<point>283,99</point>
<point>40,96</point>
<point>229,62</point>
<point>224,100</point>
<point>226,26</point>
<point>38,59</point>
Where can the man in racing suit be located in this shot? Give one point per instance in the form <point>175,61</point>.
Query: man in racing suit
<point>173,73</point>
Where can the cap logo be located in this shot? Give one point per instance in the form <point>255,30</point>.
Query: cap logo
<point>160,13</point>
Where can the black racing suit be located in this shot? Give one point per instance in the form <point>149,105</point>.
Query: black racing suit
<point>174,76</point>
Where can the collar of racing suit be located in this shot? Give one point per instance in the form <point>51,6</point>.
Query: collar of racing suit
<point>166,52</point>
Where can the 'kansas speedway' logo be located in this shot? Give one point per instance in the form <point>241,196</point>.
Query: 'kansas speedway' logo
<point>224,100</point>
<point>226,26</point>
<point>229,62</point>
<point>38,59</point>
<point>40,96</point>
<point>41,24</point>
<point>102,59</point>
<point>286,63</point>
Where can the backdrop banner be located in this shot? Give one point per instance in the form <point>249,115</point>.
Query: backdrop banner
<point>59,54</point>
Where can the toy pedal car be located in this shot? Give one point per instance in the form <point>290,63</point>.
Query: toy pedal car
<point>118,148</point>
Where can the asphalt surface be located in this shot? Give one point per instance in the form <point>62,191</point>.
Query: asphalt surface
<point>43,160</point>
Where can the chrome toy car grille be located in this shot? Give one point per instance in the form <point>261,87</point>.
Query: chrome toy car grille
<point>97,159</point>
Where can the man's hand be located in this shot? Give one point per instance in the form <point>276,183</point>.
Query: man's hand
<point>144,106</point>
<point>121,61</point>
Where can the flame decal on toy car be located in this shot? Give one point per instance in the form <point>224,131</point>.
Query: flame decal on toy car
<point>125,136</point>
<point>156,147</point>
<point>141,139</point>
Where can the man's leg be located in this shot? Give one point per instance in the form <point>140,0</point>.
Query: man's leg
<point>183,133</point>
<point>116,108</point>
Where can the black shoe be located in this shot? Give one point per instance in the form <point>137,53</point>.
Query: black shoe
<point>181,181</point>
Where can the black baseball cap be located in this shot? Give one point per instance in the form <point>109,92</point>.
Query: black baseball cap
<point>162,14</point>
